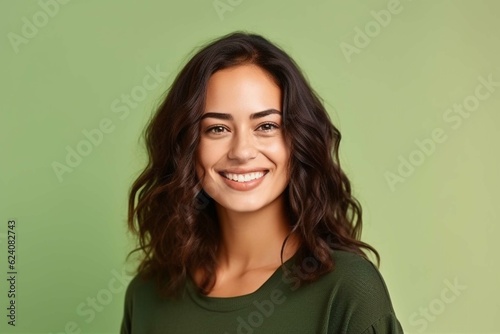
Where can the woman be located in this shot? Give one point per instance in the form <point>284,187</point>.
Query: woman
<point>244,216</point>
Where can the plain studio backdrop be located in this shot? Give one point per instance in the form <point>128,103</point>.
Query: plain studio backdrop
<point>413,86</point>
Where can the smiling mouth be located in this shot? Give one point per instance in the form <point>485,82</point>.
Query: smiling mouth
<point>242,178</point>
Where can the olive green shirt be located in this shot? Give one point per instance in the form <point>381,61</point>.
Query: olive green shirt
<point>353,298</point>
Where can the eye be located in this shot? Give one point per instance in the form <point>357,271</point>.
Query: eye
<point>268,127</point>
<point>215,129</point>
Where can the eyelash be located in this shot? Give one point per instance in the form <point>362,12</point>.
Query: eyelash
<point>209,130</point>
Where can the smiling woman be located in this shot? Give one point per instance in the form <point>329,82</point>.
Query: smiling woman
<point>243,148</point>
<point>276,246</point>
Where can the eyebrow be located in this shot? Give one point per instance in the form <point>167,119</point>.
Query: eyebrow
<point>224,116</point>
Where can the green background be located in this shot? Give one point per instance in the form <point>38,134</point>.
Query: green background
<point>435,227</point>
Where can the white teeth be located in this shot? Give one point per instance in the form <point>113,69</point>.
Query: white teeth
<point>243,177</point>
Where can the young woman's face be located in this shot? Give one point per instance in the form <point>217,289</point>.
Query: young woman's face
<point>242,151</point>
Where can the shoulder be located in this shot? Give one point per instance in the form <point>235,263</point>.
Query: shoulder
<point>357,274</point>
<point>138,287</point>
<point>359,280</point>
<point>141,299</point>
<point>362,300</point>
<point>134,285</point>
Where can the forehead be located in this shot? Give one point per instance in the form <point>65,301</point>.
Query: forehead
<point>242,88</point>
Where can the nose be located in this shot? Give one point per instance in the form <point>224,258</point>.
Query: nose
<point>242,147</point>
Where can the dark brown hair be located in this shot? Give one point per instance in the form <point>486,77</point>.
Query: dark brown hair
<point>175,220</point>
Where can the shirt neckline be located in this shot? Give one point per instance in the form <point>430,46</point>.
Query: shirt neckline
<point>224,304</point>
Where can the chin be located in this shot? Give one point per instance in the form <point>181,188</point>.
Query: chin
<point>242,205</point>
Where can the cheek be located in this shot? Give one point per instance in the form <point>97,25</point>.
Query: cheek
<point>199,163</point>
<point>199,171</point>
<point>205,159</point>
<point>279,153</point>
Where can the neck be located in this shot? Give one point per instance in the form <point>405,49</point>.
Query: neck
<point>251,240</point>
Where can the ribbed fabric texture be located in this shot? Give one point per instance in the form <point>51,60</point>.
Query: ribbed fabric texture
<point>353,299</point>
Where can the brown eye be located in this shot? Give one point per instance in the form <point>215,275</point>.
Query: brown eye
<point>267,127</point>
<point>216,129</point>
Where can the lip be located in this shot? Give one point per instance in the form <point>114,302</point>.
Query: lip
<point>243,186</point>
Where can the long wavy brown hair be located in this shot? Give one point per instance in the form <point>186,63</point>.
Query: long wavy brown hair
<point>175,221</point>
